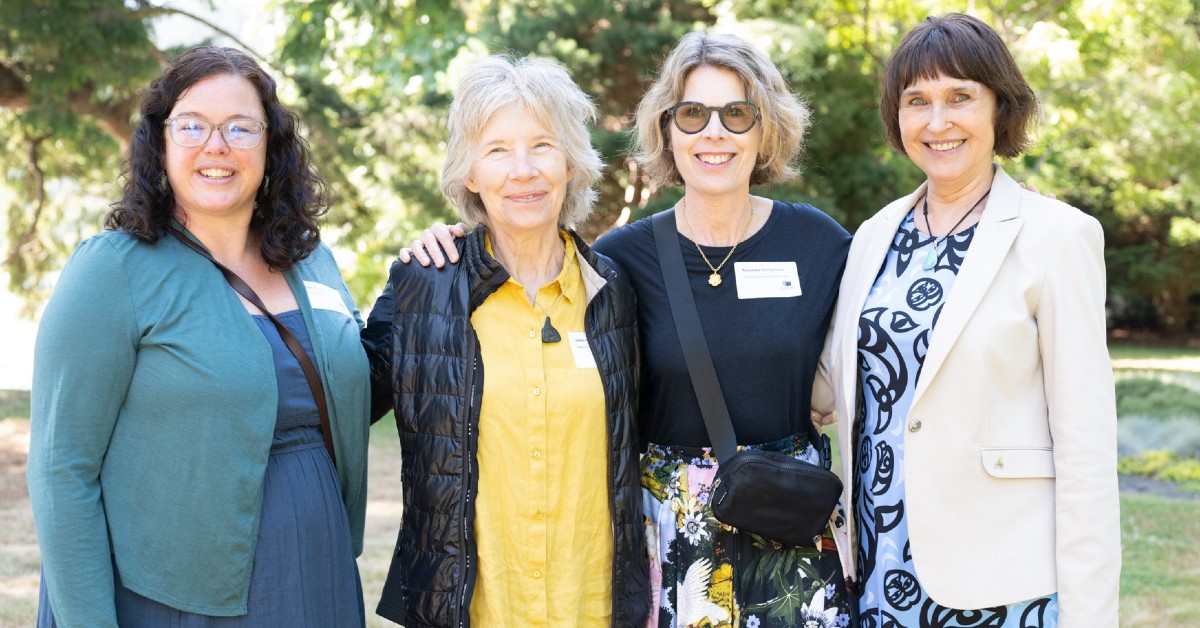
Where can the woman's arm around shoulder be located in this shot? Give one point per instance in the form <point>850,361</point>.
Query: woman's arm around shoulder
<point>377,342</point>
<point>403,279</point>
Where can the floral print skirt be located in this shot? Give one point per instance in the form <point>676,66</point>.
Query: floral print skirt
<point>704,573</point>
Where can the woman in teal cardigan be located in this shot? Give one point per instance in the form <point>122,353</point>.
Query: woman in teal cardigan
<point>178,471</point>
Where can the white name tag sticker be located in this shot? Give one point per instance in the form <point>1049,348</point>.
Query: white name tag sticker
<point>581,349</point>
<point>322,297</point>
<point>767,280</point>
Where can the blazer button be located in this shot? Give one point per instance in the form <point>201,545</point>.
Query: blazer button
<point>914,426</point>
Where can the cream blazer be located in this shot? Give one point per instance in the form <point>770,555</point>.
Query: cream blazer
<point>1010,442</point>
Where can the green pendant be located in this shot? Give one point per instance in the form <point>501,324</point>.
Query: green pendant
<point>931,259</point>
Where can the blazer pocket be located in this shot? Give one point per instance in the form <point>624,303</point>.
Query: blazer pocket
<point>1018,462</point>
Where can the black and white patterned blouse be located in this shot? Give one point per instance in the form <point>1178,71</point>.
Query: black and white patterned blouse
<point>893,337</point>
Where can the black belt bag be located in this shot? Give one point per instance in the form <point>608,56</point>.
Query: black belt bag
<point>771,494</point>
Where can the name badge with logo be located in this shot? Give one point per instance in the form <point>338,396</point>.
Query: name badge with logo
<point>767,280</point>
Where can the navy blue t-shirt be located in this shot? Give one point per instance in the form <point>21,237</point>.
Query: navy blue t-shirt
<point>765,350</point>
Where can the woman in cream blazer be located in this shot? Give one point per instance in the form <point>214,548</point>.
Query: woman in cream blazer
<point>985,462</point>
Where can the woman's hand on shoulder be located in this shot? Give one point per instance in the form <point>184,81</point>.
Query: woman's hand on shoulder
<point>436,245</point>
<point>1033,188</point>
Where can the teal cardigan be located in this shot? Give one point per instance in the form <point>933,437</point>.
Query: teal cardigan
<point>153,410</point>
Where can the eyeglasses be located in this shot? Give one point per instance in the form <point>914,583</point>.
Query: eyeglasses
<point>691,117</point>
<point>240,133</point>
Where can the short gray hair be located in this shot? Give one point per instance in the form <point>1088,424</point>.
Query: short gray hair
<point>546,89</point>
<point>784,116</point>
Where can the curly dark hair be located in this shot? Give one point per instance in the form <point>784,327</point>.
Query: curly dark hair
<point>293,196</point>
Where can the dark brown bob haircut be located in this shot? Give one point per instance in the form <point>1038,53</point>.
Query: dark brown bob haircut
<point>961,47</point>
<point>292,196</point>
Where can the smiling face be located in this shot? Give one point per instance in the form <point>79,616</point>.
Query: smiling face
<point>715,161</point>
<point>214,178</point>
<point>520,172</point>
<point>947,126</point>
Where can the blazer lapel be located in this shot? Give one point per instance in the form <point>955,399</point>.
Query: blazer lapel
<point>998,228</point>
<point>863,269</point>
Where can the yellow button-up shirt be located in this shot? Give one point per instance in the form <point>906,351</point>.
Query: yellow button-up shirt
<point>543,526</point>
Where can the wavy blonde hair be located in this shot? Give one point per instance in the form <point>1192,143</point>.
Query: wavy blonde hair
<point>544,88</point>
<point>783,114</point>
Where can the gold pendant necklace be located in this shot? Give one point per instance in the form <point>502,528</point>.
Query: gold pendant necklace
<point>714,279</point>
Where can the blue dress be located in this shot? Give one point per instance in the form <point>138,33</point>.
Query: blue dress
<point>893,337</point>
<point>304,571</point>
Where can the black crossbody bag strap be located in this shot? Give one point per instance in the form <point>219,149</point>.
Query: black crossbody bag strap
<point>691,337</point>
<point>310,371</point>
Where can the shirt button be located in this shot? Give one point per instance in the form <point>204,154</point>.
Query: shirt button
<point>531,334</point>
<point>537,514</point>
<point>536,391</point>
<point>537,453</point>
<point>537,573</point>
<point>914,426</point>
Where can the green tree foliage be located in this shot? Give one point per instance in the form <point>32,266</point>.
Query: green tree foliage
<point>375,88</point>
<point>1118,81</point>
<point>613,51</point>
<point>372,80</point>
<point>71,74</point>
<point>66,107</point>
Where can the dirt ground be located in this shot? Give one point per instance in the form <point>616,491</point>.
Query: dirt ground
<point>14,450</point>
<point>18,543</point>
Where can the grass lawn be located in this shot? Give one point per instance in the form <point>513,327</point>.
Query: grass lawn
<point>1124,351</point>
<point>1160,574</point>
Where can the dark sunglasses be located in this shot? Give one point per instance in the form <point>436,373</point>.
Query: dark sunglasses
<point>691,117</point>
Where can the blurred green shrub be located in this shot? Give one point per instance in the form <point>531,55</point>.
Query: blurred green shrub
<point>1162,464</point>
<point>1148,397</point>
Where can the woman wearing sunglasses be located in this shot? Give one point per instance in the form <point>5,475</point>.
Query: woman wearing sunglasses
<point>764,275</point>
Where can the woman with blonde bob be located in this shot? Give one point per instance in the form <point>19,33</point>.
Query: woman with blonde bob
<point>719,119</point>
<point>515,379</point>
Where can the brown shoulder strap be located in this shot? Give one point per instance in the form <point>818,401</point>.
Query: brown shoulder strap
<point>310,371</point>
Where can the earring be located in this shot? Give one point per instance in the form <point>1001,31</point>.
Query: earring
<point>162,181</point>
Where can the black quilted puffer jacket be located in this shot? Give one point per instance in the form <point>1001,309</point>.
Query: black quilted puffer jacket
<point>425,354</point>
